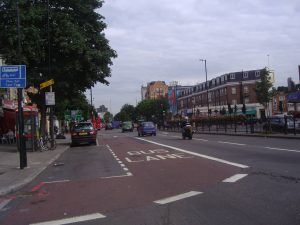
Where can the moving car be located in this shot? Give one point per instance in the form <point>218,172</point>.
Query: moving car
<point>108,126</point>
<point>147,128</point>
<point>83,132</point>
<point>127,126</point>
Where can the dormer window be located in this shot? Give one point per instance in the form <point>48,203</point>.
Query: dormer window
<point>257,73</point>
<point>245,75</point>
<point>232,76</point>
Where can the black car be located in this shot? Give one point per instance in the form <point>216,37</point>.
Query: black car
<point>83,132</point>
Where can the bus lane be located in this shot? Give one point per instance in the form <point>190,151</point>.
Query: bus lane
<point>161,171</point>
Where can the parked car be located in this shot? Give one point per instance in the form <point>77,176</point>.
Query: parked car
<point>127,126</point>
<point>83,132</point>
<point>277,123</point>
<point>147,128</point>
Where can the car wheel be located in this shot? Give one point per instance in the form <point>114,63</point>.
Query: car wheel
<point>139,134</point>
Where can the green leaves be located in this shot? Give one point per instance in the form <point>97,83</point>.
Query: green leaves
<point>263,88</point>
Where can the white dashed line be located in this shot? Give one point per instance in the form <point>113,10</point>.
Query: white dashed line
<point>3,204</point>
<point>120,162</point>
<point>230,143</point>
<point>197,154</point>
<point>200,139</point>
<point>72,219</point>
<point>56,181</point>
<point>177,197</point>
<point>283,149</point>
<point>235,178</point>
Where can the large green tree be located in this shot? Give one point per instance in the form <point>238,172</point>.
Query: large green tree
<point>263,88</point>
<point>152,108</point>
<point>72,50</point>
<point>127,112</point>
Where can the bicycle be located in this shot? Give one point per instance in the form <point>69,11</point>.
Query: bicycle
<point>48,141</point>
<point>41,145</point>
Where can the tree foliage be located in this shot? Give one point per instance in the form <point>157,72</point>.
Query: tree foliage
<point>127,113</point>
<point>152,108</point>
<point>263,88</point>
<point>80,55</point>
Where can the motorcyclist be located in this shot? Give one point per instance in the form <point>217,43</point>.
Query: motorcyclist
<point>185,122</point>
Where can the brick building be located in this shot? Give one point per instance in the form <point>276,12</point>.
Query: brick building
<point>236,88</point>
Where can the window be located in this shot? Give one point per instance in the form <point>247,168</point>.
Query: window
<point>245,75</point>
<point>257,73</point>
<point>246,100</point>
<point>233,90</point>
<point>246,89</point>
<point>232,76</point>
<point>233,102</point>
<point>225,91</point>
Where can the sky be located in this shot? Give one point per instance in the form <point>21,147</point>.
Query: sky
<point>164,40</point>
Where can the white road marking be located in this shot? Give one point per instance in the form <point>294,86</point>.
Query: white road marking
<point>97,142</point>
<point>177,197</point>
<point>115,136</point>
<point>235,178</point>
<point>56,181</point>
<point>176,136</point>
<point>200,139</point>
<point>283,149</point>
<point>165,133</point>
<point>126,175</point>
<point>72,219</point>
<point>230,143</point>
<point>3,204</point>
<point>197,154</point>
<point>120,162</point>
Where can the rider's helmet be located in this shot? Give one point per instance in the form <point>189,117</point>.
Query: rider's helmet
<point>186,119</point>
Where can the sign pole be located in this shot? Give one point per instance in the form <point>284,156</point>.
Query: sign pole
<point>22,144</point>
<point>51,123</point>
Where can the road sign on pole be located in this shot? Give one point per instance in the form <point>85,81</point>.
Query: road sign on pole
<point>13,76</point>
<point>46,83</point>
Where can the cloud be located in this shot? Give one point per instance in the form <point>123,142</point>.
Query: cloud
<point>164,40</point>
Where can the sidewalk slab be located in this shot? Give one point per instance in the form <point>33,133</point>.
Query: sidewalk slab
<point>12,178</point>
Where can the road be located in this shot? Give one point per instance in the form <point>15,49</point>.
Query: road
<point>164,180</point>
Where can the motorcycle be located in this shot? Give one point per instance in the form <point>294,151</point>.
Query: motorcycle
<point>187,132</point>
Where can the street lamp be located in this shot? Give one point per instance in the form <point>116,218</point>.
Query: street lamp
<point>204,60</point>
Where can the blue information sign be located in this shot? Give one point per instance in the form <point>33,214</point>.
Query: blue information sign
<point>13,76</point>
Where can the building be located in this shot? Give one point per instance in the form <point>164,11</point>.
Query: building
<point>175,91</point>
<point>156,90</point>
<point>143,92</point>
<point>102,109</point>
<point>232,89</point>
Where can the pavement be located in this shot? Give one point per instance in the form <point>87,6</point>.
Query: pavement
<point>12,178</point>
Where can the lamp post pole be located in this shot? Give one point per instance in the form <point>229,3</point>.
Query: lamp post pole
<point>204,60</point>
<point>22,141</point>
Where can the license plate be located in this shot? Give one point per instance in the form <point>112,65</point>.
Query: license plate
<point>83,133</point>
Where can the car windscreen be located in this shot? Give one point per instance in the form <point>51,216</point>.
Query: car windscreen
<point>83,126</point>
<point>148,124</point>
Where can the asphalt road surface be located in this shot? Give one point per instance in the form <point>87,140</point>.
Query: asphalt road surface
<point>164,180</point>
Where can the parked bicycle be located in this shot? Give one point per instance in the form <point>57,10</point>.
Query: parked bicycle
<point>44,144</point>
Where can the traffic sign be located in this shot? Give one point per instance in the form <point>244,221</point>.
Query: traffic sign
<point>13,76</point>
<point>46,83</point>
<point>50,98</point>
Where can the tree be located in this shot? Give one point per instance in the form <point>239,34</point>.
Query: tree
<point>80,55</point>
<point>150,108</point>
<point>263,88</point>
<point>107,117</point>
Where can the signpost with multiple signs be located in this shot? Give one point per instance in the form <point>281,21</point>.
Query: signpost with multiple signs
<point>13,76</point>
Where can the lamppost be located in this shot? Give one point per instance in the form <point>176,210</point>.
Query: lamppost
<point>204,60</point>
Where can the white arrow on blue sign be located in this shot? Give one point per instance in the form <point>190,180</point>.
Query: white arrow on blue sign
<point>13,76</point>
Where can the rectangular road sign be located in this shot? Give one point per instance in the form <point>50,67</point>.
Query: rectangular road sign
<point>13,76</point>
<point>46,83</point>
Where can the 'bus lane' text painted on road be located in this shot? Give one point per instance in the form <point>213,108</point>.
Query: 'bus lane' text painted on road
<point>153,155</point>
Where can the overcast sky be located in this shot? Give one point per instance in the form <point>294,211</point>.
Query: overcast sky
<point>164,40</point>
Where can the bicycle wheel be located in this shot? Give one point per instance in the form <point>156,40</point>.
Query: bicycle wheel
<point>49,144</point>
